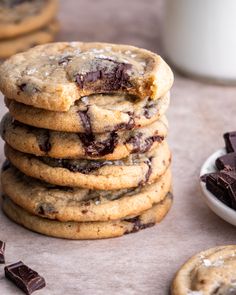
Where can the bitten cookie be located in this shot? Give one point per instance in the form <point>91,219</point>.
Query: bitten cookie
<point>135,170</point>
<point>109,146</point>
<point>53,76</point>
<point>11,46</point>
<point>94,114</point>
<point>19,17</point>
<point>207,273</point>
<point>87,230</point>
<point>77,204</point>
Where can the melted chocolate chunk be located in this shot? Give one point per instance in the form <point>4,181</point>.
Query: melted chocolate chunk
<point>138,225</point>
<point>149,109</point>
<point>147,176</point>
<point>227,162</point>
<point>113,74</point>
<point>2,252</point>
<point>43,139</point>
<point>230,141</point>
<point>126,126</point>
<point>46,209</point>
<point>98,148</point>
<point>81,166</point>
<point>86,122</point>
<point>6,165</point>
<point>141,145</point>
<point>24,277</point>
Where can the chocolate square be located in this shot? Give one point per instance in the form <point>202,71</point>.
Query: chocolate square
<point>24,277</point>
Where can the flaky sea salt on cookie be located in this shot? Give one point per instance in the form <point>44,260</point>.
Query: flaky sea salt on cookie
<point>53,76</point>
<point>207,273</point>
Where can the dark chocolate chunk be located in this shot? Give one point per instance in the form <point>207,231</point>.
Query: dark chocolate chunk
<point>149,164</point>
<point>142,145</point>
<point>22,87</point>
<point>2,252</point>
<point>137,224</point>
<point>43,139</point>
<point>230,141</point>
<point>227,162</point>
<point>220,192</point>
<point>223,186</point>
<point>126,126</point>
<point>113,75</point>
<point>85,119</point>
<point>46,209</point>
<point>6,165</point>
<point>98,148</point>
<point>149,109</point>
<point>81,166</point>
<point>24,277</point>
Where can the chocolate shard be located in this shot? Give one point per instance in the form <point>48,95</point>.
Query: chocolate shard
<point>44,141</point>
<point>230,141</point>
<point>2,252</point>
<point>227,162</point>
<point>24,277</point>
<point>138,225</point>
<point>94,147</point>
<point>223,185</point>
<point>218,191</point>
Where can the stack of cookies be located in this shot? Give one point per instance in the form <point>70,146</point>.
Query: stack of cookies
<point>26,23</point>
<point>86,139</point>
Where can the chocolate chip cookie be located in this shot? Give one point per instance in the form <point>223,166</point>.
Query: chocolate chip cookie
<point>110,146</point>
<point>54,76</point>
<point>9,47</point>
<point>207,273</point>
<point>77,204</point>
<point>94,114</point>
<point>87,230</point>
<point>19,17</point>
<point>132,171</point>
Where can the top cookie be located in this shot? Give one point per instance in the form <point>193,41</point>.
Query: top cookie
<point>54,76</point>
<point>18,17</point>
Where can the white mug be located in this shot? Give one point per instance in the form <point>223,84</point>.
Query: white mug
<point>199,37</point>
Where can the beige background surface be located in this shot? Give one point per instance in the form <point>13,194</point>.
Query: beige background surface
<point>142,263</point>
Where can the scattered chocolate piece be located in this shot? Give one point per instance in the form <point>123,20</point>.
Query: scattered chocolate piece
<point>2,252</point>
<point>227,162</point>
<point>230,141</point>
<point>24,277</point>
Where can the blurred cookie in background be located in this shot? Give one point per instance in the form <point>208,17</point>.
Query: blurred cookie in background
<point>26,23</point>
<point>47,34</point>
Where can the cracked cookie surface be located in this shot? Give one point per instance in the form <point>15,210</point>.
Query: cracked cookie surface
<point>132,171</point>
<point>110,146</point>
<point>53,76</point>
<point>88,230</point>
<point>77,204</point>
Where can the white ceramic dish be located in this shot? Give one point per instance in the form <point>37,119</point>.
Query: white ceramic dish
<point>213,203</point>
